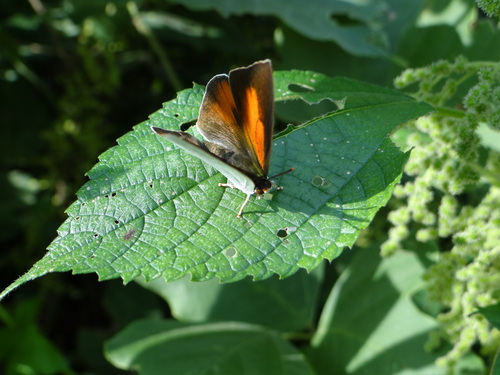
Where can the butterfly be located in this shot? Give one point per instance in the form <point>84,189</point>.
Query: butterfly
<point>236,119</point>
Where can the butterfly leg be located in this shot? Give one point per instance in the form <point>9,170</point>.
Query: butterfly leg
<point>240,213</point>
<point>228,185</point>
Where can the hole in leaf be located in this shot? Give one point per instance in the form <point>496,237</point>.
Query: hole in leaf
<point>117,222</point>
<point>113,194</point>
<point>295,87</point>
<point>95,235</point>
<point>285,232</point>
<point>186,125</point>
<point>297,111</point>
<point>106,196</point>
<point>282,233</point>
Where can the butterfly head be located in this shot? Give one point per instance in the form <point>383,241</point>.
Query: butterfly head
<point>263,185</point>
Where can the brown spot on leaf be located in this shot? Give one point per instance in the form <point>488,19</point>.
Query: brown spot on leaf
<point>129,235</point>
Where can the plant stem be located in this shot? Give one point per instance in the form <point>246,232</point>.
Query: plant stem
<point>450,112</point>
<point>144,29</point>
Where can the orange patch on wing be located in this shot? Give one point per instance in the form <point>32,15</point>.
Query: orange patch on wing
<point>253,125</point>
<point>226,107</point>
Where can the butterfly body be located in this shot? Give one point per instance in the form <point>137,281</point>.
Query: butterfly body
<point>236,120</point>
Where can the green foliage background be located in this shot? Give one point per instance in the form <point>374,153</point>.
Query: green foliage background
<point>76,75</point>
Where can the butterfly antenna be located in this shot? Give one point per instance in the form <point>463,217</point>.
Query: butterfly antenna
<point>285,172</point>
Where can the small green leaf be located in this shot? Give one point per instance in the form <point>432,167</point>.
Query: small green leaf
<point>25,349</point>
<point>151,209</point>
<point>492,313</point>
<point>169,347</point>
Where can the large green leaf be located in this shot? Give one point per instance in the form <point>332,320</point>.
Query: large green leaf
<point>169,347</point>
<point>381,332</point>
<point>288,305</point>
<point>370,325</point>
<point>150,209</point>
<point>358,27</point>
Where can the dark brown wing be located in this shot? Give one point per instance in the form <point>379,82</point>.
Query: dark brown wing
<point>237,115</point>
<point>253,94</point>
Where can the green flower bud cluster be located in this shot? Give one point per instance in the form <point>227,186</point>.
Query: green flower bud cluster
<point>451,199</point>
<point>490,7</point>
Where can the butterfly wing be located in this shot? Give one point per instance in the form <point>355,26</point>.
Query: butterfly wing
<point>253,94</point>
<point>237,116</point>
<point>196,148</point>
